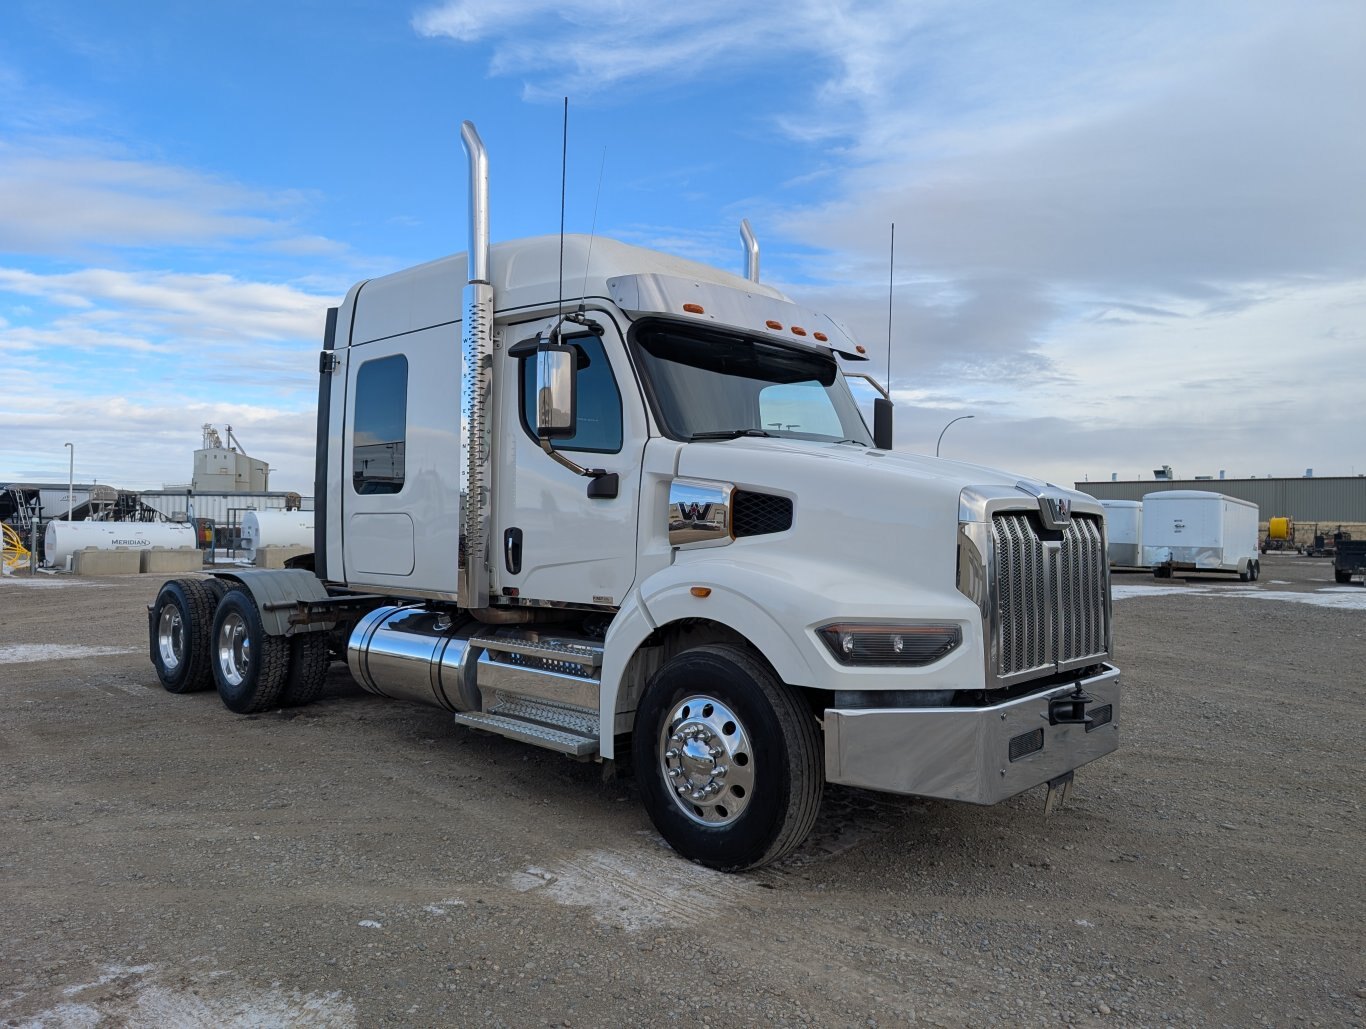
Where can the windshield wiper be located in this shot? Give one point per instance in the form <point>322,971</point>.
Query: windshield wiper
<point>858,441</point>
<point>727,434</point>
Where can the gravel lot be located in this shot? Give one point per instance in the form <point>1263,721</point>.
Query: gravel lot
<point>362,862</point>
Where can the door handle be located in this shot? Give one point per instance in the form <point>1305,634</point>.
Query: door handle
<point>512,551</point>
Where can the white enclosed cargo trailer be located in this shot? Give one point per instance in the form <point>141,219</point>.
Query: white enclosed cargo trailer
<point>1197,531</point>
<point>650,525</point>
<point>1124,533</point>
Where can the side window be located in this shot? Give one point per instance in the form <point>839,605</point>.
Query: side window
<point>599,401</point>
<point>379,431</point>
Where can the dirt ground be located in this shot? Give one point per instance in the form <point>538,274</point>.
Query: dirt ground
<point>362,862</point>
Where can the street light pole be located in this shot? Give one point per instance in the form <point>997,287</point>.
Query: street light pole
<point>70,480</point>
<point>946,429</point>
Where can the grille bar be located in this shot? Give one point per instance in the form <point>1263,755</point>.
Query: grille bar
<point>1050,609</point>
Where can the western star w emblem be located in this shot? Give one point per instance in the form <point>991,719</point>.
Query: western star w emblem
<point>1056,512</point>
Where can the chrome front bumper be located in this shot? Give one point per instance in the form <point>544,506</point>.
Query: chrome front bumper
<point>965,753</point>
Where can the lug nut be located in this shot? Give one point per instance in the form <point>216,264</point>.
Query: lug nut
<point>671,754</point>
<point>674,773</point>
<point>682,789</point>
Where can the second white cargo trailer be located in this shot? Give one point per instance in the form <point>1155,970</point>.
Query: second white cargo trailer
<point>1197,531</point>
<point>1124,533</point>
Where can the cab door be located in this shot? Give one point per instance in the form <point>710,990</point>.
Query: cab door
<point>558,544</point>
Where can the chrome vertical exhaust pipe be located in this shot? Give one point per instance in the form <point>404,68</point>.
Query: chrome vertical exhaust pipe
<point>476,395</point>
<point>751,250</point>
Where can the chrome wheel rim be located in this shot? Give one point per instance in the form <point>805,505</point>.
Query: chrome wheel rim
<point>234,649</point>
<point>706,761</point>
<point>171,638</point>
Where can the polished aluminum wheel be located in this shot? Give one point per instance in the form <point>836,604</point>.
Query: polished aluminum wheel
<point>234,648</point>
<point>171,638</point>
<point>705,758</point>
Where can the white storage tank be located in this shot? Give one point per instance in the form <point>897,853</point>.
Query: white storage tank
<point>276,529</point>
<point>1191,530</point>
<point>1124,532</point>
<point>63,539</point>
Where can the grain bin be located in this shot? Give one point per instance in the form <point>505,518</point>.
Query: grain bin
<point>276,529</point>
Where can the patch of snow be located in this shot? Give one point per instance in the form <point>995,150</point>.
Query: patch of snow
<point>369,923</point>
<point>142,1001</point>
<point>1129,592</point>
<point>1354,600</point>
<point>1278,582</point>
<point>637,891</point>
<point>33,583</point>
<point>23,653</point>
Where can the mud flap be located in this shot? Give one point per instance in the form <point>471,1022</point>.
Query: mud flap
<point>1058,790</point>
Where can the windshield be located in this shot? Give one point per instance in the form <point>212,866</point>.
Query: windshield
<point>714,384</point>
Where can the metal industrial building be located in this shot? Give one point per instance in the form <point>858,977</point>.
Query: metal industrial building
<point>1338,499</point>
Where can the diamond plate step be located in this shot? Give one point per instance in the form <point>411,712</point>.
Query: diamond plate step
<point>584,653</point>
<point>529,732</point>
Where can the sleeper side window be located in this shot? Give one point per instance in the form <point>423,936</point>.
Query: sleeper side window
<point>599,400</point>
<point>379,432</point>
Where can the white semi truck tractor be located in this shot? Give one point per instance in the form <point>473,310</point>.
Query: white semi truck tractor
<point>648,522</point>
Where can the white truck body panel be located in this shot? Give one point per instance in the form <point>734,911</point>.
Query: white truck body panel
<point>1199,531</point>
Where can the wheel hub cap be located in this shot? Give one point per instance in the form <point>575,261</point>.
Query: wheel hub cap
<point>170,637</point>
<point>234,649</point>
<point>705,760</point>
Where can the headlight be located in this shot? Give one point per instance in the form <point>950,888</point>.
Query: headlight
<point>911,644</point>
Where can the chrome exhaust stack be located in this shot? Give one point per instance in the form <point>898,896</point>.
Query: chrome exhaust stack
<point>751,250</point>
<point>476,394</point>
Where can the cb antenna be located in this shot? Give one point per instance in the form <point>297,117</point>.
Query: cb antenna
<point>593,231</point>
<point>564,165</point>
<point>891,268</point>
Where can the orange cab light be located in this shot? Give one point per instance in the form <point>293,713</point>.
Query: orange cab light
<point>797,330</point>
<point>773,325</point>
<point>821,336</point>
<point>694,308</point>
<point>700,591</point>
<point>860,348</point>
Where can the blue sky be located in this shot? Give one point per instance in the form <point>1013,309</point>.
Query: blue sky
<point>1127,235</point>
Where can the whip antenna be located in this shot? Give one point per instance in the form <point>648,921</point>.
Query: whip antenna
<point>891,267</point>
<point>593,230</point>
<point>564,163</point>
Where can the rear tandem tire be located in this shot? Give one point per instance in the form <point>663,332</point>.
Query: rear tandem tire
<point>1342,578</point>
<point>717,720</point>
<point>182,634</point>
<point>250,667</point>
<point>309,656</point>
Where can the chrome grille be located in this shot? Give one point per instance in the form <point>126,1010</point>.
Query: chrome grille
<point>1051,596</point>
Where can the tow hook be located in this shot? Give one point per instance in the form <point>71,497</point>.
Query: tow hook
<point>1070,710</point>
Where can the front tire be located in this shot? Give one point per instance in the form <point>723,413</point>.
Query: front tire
<point>728,759</point>
<point>250,668</point>
<point>309,657</point>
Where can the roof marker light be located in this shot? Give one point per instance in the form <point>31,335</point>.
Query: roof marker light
<point>773,325</point>
<point>820,336</point>
<point>797,330</point>
<point>694,309</point>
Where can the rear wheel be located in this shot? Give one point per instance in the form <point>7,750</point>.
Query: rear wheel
<point>182,626</point>
<point>309,656</point>
<point>250,668</point>
<point>727,758</point>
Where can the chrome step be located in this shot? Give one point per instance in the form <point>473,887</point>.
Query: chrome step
<point>530,732</point>
<point>585,653</point>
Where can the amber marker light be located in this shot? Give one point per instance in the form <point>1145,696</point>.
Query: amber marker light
<point>694,309</point>
<point>701,591</point>
<point>773,325</point>
<point>860,348</point>
<point>797,330</point>
<point>820,336</point>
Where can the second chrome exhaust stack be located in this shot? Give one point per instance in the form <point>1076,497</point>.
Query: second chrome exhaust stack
<point>476,395</point>
<point>751,251</point>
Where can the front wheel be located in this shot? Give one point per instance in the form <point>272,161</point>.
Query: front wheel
<point>728,759</point>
